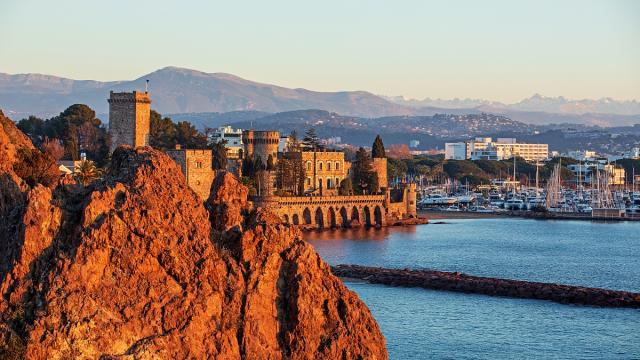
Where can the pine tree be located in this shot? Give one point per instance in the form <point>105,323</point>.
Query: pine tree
<point>311,141</point>
<point>377,151</point>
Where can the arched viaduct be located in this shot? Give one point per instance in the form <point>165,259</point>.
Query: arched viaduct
<point>326,212</point>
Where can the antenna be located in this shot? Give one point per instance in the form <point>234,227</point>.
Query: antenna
<point>146,86</point>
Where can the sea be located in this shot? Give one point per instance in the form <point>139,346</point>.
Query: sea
<point>428,324</point>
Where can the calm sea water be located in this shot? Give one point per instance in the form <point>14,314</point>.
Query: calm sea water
<point>424,324</point>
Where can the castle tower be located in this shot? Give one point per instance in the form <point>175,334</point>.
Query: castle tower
<point>196,167</point>
<point>129,118</point>
<point>261,144</point>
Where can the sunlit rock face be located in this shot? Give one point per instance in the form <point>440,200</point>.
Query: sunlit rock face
<point>136,266</point>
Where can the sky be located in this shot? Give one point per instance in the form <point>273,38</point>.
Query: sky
<point>491,49</point>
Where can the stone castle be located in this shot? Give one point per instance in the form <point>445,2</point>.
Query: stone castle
<point>323,207</point>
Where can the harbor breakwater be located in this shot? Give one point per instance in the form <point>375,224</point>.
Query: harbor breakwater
<point>458,282</point>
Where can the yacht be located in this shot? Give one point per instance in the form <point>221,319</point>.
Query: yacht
<point>437,199</point>
<point>513,204</point>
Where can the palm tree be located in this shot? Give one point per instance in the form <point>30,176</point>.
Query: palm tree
<point>87,171</point>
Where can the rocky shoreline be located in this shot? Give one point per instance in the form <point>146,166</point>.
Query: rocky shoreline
<point>458,282</point>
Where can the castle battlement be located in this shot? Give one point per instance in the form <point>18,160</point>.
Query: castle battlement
<point>135,96</point>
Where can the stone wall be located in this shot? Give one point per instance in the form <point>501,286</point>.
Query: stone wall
<point>129,118</point>
<point>379,166</point>
<point>196,167</point>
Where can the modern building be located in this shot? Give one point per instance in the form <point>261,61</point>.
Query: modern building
<point>414,143</point>
<point>129,118</point>
<point>196,167</point>
<point>502,148</point>
<point>233,138</point>
<point>582,155</point>
<point>455,151</point>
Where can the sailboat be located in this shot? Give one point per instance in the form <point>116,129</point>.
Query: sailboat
<point>555,199</point>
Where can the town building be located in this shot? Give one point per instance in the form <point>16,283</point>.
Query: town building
<point>196,167</point>
<point>501,149</point>
<point>129,118</point>
<point>234,140</point>
<point>587,173</point>
<point>582,155</point>
<point>324,170</point>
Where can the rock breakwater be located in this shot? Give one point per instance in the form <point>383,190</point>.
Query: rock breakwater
<point>458,282</point>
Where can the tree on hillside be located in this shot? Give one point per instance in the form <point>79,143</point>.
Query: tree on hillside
<point>399,151</point>
<point>365,180</point>
<point>162,132</point>
<point>53,148</point>
<point>377,150</point>
<point>35,167</point>
<point>34,128</point>
<point>219,155</point>
<point>188,136</point>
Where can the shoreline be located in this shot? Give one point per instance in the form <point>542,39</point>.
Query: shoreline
<point>436,215</point>
<point>459,282</point>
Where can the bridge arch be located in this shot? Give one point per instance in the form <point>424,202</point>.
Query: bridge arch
<point>344,218</point>
<point>306,216</point>
<point>355,215</point>
<point>319,218</point>
<point>377,216</point>
<point>332,218</point>
<point>295,219</point>
<point>367,216</point>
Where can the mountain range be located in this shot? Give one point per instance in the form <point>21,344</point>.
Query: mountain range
<point>178,91</point>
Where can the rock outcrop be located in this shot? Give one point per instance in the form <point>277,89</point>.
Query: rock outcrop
<point>135,266</point>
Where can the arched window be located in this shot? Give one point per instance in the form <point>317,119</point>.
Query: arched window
<point>308,181</point>
<point>308,165</point>
<point>329,184</point>
<point>320,166</point>
<point>337,165</point>
<point>328,166</point>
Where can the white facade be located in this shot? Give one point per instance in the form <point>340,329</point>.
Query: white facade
<point>455,151</point>
<point>505,148</point>
<point>283,143</point>
<point>233,137</point>
<point>414,143</point>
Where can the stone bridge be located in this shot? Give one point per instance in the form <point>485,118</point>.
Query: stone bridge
<point>329,211</point>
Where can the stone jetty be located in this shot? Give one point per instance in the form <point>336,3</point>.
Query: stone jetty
<point>455,281</point>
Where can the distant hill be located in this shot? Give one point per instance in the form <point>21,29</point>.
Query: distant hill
<point>178,90</point>
<point>536,110</point>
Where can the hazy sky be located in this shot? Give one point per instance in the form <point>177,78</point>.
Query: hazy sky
<point>499,50</point>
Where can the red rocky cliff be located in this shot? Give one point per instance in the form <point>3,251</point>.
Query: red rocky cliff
<point>137,267</point>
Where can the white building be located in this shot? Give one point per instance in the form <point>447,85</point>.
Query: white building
<point>455,151</point>
<point>414,143</point>
<point>505,148</point>
<point>233,137</point>
<point>283,143</point>
<point>582,155</point>
<point>502,148</point>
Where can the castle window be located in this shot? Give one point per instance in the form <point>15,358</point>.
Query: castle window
<point>329,184</point>
<point>337,165</point>
<point>329,166</point>
<point>320,165</point>
<point>308,165</point>
<point>198,164</point>
<point>308,181</point>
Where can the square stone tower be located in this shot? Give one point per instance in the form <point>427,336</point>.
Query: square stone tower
<point>196,167</point>
<point>129,118</point>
